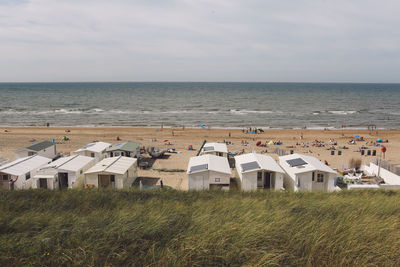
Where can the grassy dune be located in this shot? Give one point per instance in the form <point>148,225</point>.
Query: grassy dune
<point>170,228</point>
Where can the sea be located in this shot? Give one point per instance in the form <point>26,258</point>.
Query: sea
<point>210,105</point>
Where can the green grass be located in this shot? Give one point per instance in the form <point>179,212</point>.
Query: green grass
<point>171,228</point>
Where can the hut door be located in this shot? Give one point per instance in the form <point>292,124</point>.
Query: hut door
<point>198,182</point>
<point>43,183</point>
<point>267,180</point>
<point>104,181</point>
<point>63,180</point>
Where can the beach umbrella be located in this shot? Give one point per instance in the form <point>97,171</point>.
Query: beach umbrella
<point>379,140</point>
<point>258,143</point>
<point>357,136</point>
<point>165,140</point>
<point>203,126</point>
<point>271,142</point>
<point>383,149</point>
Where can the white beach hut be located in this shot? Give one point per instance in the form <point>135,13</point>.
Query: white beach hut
<point>257,171</point>
<point>306,173</point>
<point>21,171</point>
<point>45,149</point>
<point>116,172</point>
<point>66,172</point>
<point>218,149</point>
<point>208,172</point>
<point>94,150</point>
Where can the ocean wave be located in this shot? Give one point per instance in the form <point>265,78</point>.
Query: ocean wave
<point>343,112</point>
<point>68,111</point>
<point>158,112</point>
<point>246,111</point>
<point>52,111</point>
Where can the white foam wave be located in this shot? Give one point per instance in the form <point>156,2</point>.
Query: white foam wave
<point>68,111</point>
<point>246,111</point>
<point>342,112</point>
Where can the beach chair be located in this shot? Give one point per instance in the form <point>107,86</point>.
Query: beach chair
<point>369,153</point>
<point>339,153</point>
<point>374,153</point>
<point>332,152</point>
<point>362,152</point>
<point>291,151</point>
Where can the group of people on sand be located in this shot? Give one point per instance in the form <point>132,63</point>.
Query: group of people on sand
<point>245,143</point>
<point>252,130</point>
<point>318,143</point>
<point>333,142</point>
<point>302,144</point>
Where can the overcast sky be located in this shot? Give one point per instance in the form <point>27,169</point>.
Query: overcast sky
<point>200,40</point>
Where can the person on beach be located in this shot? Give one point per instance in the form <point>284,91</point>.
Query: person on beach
<point>12,182</point>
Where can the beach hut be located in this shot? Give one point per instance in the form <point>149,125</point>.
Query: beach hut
<point>208,172</point>
<point>45,149</point>
<point>116,172</point>
<point>257,171</point>
<point>94,150</point>
<point>21,171</point>
<point>126,149</point>
<point>66,172</point>
<point>218,149</point>
<point>306,173</point>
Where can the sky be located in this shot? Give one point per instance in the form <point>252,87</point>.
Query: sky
<point>200,40</point>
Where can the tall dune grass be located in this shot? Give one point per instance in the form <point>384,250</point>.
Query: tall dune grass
<point>170,228</point>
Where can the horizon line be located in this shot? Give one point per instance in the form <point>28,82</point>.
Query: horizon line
<point>16,82</point>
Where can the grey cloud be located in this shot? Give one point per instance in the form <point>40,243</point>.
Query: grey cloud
<point>203,40</point>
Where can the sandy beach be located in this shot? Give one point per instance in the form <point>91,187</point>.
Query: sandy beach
<point>14,138</point>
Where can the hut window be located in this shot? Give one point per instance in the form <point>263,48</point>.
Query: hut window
<point>313,176</point>
<point>81,172</point>
<point>27,176</point>
<point>217,180</point>
<point>320,177</point>
<point>92,155</point>
<point>112,178</point>
<point>5,177</point>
